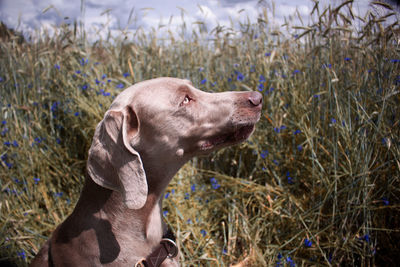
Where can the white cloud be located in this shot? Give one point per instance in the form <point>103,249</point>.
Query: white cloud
<point>211,12</point>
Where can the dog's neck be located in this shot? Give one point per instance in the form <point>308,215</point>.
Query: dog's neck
<point>103,210</point>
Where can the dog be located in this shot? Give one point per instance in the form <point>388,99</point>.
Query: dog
<point>150,130</point>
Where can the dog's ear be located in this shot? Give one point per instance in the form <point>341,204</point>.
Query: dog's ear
<point>113,163</point>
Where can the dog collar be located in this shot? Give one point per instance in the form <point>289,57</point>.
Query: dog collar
<point>166,249</point>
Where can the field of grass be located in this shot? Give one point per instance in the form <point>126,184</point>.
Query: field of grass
<point>317,184</point>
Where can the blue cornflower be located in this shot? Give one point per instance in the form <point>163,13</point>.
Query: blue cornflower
<point>385,201</point>
<point>58,140</point>
<point>280,129</point>
<point>193,187</point>
<point>307,243</point>
<point>333,120</point>
<point>290,261</point>
<point>267,54</point>
<point>106,94</point>
<point>7,143</point>
<point>76,114</point>
<point>297,132</point>
<point>173,191</point>
<point>1,79</point>
<point>224,251</point>
<point>21,254</point>
<point>166,195</point>
<point>97,81</point>
<point>240,76</point>
<point>165,213</point>
<point>83,61</point>
<point>275,162</point>
<point>214,183</point>
<point>78,72</point>
<point>109,80</point>
<point>203,232</point>
<point>36,180</point>
<point>126,74</point>
<point>203,81</point>
<point>279,262</point>
<point>5,130</point>
<point>84,87</point>
<point>295,72</point>
<point>189,221</point>
<point>59,194</point>
<point>38,140</point>
<point>300,148</point>
<point>366,238</point>
<point>54,106</point>
<point>57,66</point>
<point>264,154</point>
<point>120,86</point>
<point>395,60</point>
<point>289,179</point>
<point>215,186</point>
<point>262,79</point>
<point>3,122</point>
<point>260,87</point>
<point>103,76</point>
<point>187,195</point>
<point>15,143</point>
<point>347,59</point>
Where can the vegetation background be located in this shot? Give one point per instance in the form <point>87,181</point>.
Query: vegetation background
<point>317,183</point>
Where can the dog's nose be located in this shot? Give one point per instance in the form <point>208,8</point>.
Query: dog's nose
<point>255,98</point>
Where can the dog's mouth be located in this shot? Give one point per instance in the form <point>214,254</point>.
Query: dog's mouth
<point>236,136</point>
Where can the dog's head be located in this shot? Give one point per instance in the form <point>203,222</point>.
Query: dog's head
<point>157,125</point>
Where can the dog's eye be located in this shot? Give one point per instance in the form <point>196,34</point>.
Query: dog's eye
<point>186,100</point>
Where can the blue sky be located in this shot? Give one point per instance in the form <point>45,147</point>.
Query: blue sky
<point>27,15</point>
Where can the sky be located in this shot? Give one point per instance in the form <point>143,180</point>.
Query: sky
<point>27,15</point>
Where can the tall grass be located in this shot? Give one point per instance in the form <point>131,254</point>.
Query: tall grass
<point>316,184</point>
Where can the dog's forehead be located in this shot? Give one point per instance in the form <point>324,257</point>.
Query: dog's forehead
<point>151,90</point>
<point>162,88</point>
